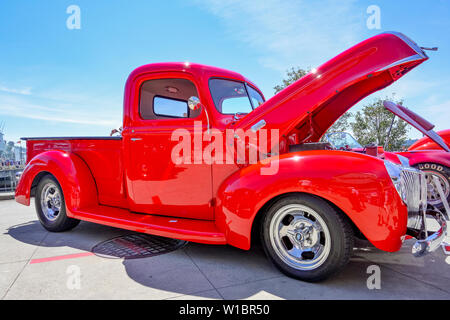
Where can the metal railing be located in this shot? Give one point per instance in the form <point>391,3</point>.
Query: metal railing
<point>9,178</point>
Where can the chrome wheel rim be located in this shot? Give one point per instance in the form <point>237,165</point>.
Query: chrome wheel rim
<point>433,196</point>
<point>51,201</point>
<point>300,237</point>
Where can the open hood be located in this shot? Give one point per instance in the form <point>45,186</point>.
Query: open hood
<point>417,122</point>
<point>313,103</point>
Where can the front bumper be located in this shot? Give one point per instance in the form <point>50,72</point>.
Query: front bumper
<point>434,240</point>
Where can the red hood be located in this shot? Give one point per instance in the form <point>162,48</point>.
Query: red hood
<point>417,122</point>
<point>427,144</point>
<point>314,102</point>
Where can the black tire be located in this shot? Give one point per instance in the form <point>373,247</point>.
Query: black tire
<point>60,221</point>
<point>443,173</point>
<point>339,232</point>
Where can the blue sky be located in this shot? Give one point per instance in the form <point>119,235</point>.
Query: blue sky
<point>60,82</point>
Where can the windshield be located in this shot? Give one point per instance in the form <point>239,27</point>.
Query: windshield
<point>231,97</point>
<point>342,140</point>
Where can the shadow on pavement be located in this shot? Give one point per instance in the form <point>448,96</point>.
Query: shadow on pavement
<point>236,274</point>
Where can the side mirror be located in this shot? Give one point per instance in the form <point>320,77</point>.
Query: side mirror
<point>194,103</point>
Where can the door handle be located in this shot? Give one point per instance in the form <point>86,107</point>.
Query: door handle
<point>135,139</point>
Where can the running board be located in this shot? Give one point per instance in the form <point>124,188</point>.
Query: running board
<point>201,231</point>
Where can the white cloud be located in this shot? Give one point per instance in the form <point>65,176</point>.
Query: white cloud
<point>23,91</point>
<point>439,114</point>
<point>22,108</point>
<point>291,33</point>
<point>410,88</point>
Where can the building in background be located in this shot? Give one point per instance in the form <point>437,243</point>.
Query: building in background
<point>2,143</point>
<point>10,152</point>
<point>12,162</point>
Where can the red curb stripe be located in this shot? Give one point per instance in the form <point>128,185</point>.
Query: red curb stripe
<point>64,257</point>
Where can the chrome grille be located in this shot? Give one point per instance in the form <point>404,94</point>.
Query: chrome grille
<point>414,193</point>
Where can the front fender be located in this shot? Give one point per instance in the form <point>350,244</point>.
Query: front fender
<point>356,183</point>
<point>69,169</point>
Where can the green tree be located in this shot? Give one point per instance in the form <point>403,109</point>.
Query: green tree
<point>292,75</point>
<point>342,124</point>
<point>372,123</point>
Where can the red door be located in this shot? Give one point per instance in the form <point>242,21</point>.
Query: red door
<point>156,183</point>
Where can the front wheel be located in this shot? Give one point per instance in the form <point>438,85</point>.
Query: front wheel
<point>51,207</point>
<point>306,238</point>
<point>442,173</point>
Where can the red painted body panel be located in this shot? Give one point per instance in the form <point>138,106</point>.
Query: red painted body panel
<point>427,144</point>
<point>218,203</point>
<point>104,159</point>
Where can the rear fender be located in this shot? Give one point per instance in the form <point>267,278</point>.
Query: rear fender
<point>357,184</point>
<point>70,170</point>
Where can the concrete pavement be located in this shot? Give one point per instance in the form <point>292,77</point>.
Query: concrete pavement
<point>36,264</point>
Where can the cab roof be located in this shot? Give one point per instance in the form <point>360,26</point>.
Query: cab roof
<point>198,70</point>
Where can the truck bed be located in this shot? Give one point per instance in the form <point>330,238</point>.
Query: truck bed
<point>103,155</point>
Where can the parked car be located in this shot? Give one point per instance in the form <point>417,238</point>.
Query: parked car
<point>433,162</point>
<point>428,144</point>
<point>304,201</point>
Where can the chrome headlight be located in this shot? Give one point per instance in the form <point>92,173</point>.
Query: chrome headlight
<point>395,172</point>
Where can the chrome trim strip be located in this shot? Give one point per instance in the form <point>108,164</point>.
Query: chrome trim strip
<point>260,124</point>
<point>405,60</point>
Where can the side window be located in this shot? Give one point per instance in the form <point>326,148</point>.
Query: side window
<point>166,99</point>
<point>170,107</point>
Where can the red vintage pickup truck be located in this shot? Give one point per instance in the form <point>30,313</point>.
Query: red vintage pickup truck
<point>167,173</point>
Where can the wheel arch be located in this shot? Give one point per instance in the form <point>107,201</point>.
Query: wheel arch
<point>71,172</point>
<point>36,181</point>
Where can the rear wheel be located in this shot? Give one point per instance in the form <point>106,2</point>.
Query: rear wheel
<point>306,238</point>
<point>443,174</point>
<point>51,207</point>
